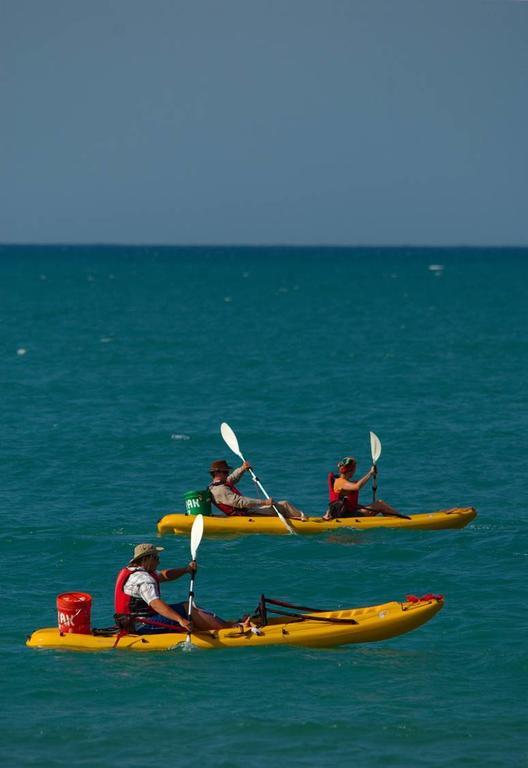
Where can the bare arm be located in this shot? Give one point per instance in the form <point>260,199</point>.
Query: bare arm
<point>176,573</point>
<point>237,473</point>
<point>346,485</point>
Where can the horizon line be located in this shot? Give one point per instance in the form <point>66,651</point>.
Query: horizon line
<point>370,246</point>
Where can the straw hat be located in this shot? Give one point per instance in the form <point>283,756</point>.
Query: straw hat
<point>144,550</point>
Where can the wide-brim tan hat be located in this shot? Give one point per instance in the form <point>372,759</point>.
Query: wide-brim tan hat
<point>220,466</point>
<point>144,550</point>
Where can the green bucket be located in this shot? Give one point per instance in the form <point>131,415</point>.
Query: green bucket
<point>197,502</point>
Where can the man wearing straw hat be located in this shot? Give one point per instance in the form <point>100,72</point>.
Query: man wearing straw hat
<point>138,605</point>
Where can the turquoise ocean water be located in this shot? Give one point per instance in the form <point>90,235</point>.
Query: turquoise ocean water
<point>118,366</point>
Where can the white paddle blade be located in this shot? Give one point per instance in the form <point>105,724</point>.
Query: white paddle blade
<point>375,447</point>
<point>230,438</point>
<point>196,535</point>
<point>285,522</point>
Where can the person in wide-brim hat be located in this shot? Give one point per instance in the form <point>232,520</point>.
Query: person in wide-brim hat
<point>139,607</point>
<point>226,496</point>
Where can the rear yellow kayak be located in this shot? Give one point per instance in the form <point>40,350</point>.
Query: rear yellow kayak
<point>214,525</point>
<point>371,624</point>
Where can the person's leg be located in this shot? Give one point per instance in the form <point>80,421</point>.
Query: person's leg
<point>367,511</point>
<point>285,508</point>
<point>289,510</point>
<point>203,620</point>
<point>167,625</point>
<point>382,508</point>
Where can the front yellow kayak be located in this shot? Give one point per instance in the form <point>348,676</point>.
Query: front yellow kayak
<point>370,624</point>
<point>215,525</point>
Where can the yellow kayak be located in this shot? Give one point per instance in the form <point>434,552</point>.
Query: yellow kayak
<point>319,629</point>
<point>214,525</point>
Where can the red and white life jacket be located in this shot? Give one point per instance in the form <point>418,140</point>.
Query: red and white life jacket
<point>227,509</point>
<point>126,604</point>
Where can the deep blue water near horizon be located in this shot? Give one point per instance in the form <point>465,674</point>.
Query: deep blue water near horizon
<point>118,366</point>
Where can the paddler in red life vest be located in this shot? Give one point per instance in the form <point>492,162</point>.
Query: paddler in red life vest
<point>138,605</point>
<point>230,501</point>
<point>344,494</point>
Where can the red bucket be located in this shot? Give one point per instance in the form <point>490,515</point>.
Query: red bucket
<point>74,612</point>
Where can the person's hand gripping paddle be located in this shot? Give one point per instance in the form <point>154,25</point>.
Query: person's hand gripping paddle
<point>232,442</point>
<point>196,537</point>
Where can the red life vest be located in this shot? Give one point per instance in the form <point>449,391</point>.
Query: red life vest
<point>227,509</point>
<point>126,604</point>
<point>351,498</point>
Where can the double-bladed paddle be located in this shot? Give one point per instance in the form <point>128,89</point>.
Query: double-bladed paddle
<point>232,442</point>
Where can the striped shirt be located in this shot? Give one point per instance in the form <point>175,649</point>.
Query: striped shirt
<point>143,585</point>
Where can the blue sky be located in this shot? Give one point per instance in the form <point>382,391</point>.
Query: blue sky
<point>269,121</point>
